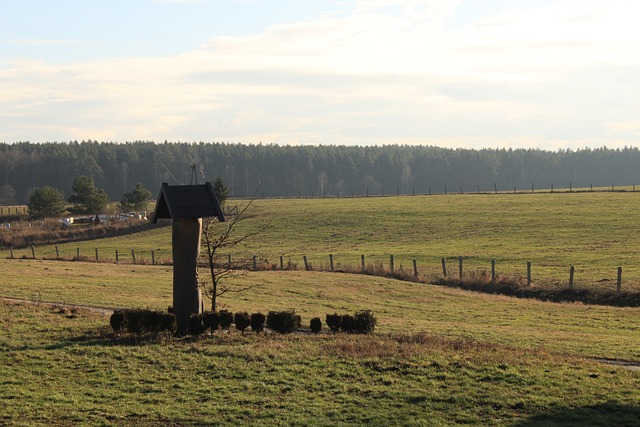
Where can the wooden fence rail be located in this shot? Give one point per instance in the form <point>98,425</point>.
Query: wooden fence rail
<point>377,267</point>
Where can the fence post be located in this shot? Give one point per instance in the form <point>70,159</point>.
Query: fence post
<point>362,259</point>
<point>571,271</point>
<point>619,287</point>
<point>117,256</point>
<point>133,255</point>
<point>57,252</point>
<point>391,265</point>
<point>493,270</point>
<point>153,257</point>
<point>306,264</point>
<point>33,252</point>
<point>77,254</point>
<point>281,262</point>
<point>11,251</point>
<point>415,268</point>
<point>255,263</point>
<point>444,267</point>
<point>460,267</point>
<point>495,188</point>
<point>229,259</point>
<point>528,273</point>
<point>331,261</point>
<point>97,258</point>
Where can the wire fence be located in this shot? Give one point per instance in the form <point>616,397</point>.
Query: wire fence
<point>404,268</point>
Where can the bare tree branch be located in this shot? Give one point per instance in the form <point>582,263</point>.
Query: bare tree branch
<point>218,237</point>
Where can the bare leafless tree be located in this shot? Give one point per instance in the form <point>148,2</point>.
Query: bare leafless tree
<point>219,237</point>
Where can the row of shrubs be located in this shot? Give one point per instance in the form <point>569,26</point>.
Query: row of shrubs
<point>283,322</point>
<point>362,322</point>
<point>141,321</point>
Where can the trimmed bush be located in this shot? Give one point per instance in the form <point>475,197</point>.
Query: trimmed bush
<point>134,321</point>
<point>315,325</point>
<point>196,327</point>
<point>226,319</point>
<point>150,320</point>
<point>211,320</point>
<point>283,321</point>
<point>242,321</point>
<point>118,321</point>
<point>348,323</point>
<point>273,320</point>
<point>334,322</point>
<point>257,322</point>
<point>365,322</point>
<point>168,322</point>
<point>139,321</point>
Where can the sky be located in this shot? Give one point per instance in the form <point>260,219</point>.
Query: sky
<point>547,74</point>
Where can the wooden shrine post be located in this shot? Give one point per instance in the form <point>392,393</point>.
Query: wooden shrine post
<point>186,205</point>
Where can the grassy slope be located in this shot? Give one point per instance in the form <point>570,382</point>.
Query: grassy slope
<point>553,231</point>
<point>400,306</point>
<point>61,369</point>
<point>524,364</point>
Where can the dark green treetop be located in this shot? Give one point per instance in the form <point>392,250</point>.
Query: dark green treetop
<point>46,202</point>
<point>135,200</point>
<point>86,197</point>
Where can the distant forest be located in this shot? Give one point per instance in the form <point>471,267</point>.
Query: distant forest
<point>290,171</point>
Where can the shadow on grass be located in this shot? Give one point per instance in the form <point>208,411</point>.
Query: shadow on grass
<point>605,414</point>
<point>109,339</point>
<point>514,289</point>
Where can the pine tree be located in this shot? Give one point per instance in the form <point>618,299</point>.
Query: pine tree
<point>86,198</point>
<point>46,202</point>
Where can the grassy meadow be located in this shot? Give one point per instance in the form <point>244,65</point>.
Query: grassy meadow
<point>401,307</point>
<point>593,231</point>
<point>439,356</point>
<point>62,368</point>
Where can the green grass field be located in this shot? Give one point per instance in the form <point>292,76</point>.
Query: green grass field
<point>440,356</point>
<point>575,329</point>
<point>591,231</point>
<point>61,368</point>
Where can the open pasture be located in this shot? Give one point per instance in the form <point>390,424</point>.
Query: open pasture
<point>593,231</point>
<point>439,356</point>
<point>575,329</point>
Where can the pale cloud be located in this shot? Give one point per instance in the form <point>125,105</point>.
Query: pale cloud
<point>389,72</point>
<point>631,127</point>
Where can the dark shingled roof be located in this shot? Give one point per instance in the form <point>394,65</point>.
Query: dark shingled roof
<point>187,201</point>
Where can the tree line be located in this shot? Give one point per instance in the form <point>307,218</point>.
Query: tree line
<point>291,171</point>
